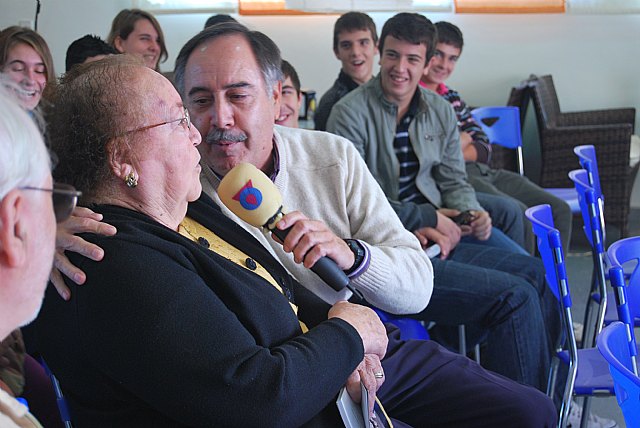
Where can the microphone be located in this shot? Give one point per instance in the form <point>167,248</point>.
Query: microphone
<point>250,195</point>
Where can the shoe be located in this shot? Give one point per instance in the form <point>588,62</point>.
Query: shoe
<point>595,421</point>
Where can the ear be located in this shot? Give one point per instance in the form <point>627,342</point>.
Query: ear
<point>118,161</point>
<point>117,43</point>
<point>276,93</point>
<point>13,230</point>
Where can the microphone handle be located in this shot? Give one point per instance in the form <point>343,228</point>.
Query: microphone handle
<point>325,267</point>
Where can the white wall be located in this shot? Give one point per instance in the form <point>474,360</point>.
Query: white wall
<point>594,59</point>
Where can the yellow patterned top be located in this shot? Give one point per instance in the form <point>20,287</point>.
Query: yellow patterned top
<point>193,230</point>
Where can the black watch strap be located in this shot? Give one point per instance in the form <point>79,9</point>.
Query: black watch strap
<point>358,251</point>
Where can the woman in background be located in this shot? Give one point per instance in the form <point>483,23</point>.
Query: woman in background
<point>25,58</point>
<point>137,32</point>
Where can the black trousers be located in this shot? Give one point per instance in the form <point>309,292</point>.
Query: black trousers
<point>428,386</point>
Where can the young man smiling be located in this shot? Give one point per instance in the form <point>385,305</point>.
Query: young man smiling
<point>476,147</point>
<point>291,99</point>
<point>409,139</point>
<point>355,42</point>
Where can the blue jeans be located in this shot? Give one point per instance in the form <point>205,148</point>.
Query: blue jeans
<point>507,216</point>
<point>501,296</point>
<point>497,239</point>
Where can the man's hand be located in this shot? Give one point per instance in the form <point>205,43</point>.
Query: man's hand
<point>469,151</point>
<point>367,324</point>
<point>481,225</point>
<point>366,372</point>
<point>310,240</point>
<point>81,220</point>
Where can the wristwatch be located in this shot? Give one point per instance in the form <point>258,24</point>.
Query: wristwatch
<point>358,252</point>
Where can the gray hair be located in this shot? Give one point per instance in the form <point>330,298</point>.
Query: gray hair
<point>25,160</point>
<point>264,49</point>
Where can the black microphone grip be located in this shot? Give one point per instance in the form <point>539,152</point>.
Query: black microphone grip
<point>325,267</point>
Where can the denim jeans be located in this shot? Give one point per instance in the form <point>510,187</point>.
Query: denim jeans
<point>498,240</point>
<point>507,216</point>
<point>501,296</point>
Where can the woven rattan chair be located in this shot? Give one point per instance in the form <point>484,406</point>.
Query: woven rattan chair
<point>608,130</point>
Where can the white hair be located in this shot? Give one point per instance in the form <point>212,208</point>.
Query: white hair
<point>25,160</point>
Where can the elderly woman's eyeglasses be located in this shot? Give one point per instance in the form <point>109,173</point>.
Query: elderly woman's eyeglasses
<point>64,197</point>
<point>185,120</point>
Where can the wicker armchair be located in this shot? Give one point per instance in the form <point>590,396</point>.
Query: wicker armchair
<point>608,130</point>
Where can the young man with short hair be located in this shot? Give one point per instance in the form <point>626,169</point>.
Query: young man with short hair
<point>355,41</point>
<point>291,97</point>
<point>409,139</point>
<point>476,146</point>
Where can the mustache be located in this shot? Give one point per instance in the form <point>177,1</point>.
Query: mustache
<point>218,135</point>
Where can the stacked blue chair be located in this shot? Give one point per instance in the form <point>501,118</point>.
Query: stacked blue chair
<point>588,373</point>
<point>621,253</point>
<point>591,216</point>
<point>614,345</point>
<point>502,126</point>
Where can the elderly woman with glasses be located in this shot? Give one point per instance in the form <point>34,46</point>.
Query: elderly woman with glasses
<point>187,321</point>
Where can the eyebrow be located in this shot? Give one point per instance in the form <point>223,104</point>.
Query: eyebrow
<point>236,85</point>
<point>24,62</point>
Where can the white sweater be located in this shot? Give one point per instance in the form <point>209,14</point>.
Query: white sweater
<point>323,176</point>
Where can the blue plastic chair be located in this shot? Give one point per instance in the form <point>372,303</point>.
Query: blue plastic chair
<point>614,345</point>
<point>63,408</point>
<point>626,252</point>
<point>588,374</point>
<point>409,328</point>
<point>591,216</point>
<point>502,126</point>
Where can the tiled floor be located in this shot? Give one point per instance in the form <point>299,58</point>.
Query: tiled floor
<point>579,266</point>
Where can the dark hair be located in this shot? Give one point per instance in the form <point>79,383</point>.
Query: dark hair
<point>449,34</point>
<point>290,72</point>
<point>11,36</point>
<point>413,28</point>
<point>124,22</point>
<point>219,19</point>
<point>354,21</point>
<point>86,47</point>
<point>264,49</point>
<point>94,104</point>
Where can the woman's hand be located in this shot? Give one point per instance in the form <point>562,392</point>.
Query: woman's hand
<point>81,220</point>
<point>371,374</point>
<point>366,322</point>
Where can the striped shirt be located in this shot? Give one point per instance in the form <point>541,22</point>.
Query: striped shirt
<point>409,163</point>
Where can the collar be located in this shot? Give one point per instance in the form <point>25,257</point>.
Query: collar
<point>442,89</point>
<point>347,81</point>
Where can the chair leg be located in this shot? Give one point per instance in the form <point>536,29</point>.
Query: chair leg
<point>462,340</point>
<point>586,409</point>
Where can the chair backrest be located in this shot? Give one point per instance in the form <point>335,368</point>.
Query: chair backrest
<point>545,101</point>
<point>409,328</point>
<point>587,158</point>
<point>502,126</point>
<point>626,252</point>
<point>550,248</point>
<point>589,208</point>
<point>614,346</point>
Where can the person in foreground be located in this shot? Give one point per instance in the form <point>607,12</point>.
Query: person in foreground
<point>27,232</point>
<point>246,360</point>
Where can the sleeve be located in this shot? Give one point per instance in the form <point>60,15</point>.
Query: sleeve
<point>162,325</point>
<point>342,122</point>
<point>325,106</point>
<point>399,278</point>
<point>450,174</point>
<point>468,124</point>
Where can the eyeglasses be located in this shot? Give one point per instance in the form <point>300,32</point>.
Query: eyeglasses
<point>185,120</point>
<point>64,197</point>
